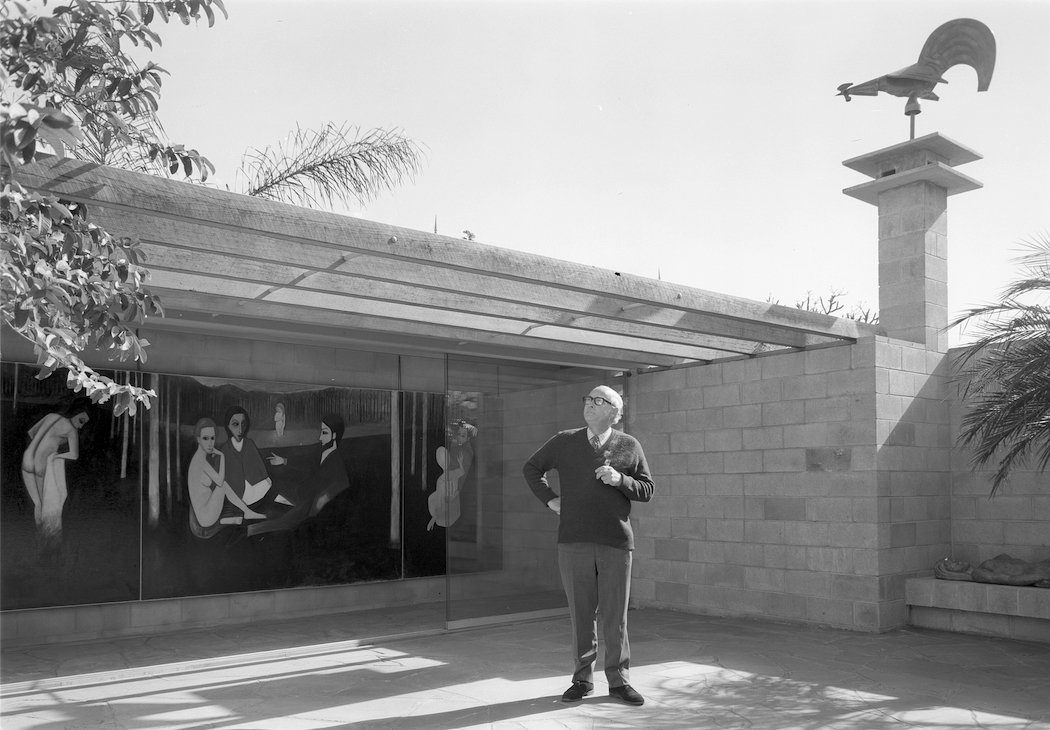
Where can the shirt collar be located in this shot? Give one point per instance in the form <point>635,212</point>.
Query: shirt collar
<point>329,450</point>
<point>602,437</point>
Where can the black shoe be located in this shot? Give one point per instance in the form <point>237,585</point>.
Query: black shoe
<point>577,692</point>
<point>626,694</point>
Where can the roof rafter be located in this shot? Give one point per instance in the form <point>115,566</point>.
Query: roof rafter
<point>263,318</point>
<point>258,262</point>
<point>187,242</point>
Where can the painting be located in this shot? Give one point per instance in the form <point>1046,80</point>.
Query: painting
<point>259,486</point>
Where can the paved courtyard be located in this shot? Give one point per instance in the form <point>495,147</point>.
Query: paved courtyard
<point>396,669</point>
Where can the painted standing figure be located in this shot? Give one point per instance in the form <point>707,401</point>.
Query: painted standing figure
<point>53,440</point>
<point>455,462</point>
<point>279,420</point>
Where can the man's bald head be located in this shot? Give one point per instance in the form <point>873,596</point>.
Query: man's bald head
<point>614,401</point>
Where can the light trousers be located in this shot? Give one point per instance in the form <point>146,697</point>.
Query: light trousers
<point>597,582</point>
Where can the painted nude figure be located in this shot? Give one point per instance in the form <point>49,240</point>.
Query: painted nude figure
<point>455,462</point>
<point>279,420</point>
<point>54,440</point>
<point>206,480</point>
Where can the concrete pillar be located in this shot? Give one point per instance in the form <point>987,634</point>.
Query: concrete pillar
<point>911,184</point>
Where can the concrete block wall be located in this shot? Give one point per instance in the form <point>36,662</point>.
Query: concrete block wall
<point>1015,521</point>
<point>137,618</point>
<point>779,482</point>
<point>913,465</point>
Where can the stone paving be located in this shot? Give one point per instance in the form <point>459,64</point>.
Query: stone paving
<point>398,670</point>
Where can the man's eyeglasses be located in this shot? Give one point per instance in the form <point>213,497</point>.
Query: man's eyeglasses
<point>596,400</point>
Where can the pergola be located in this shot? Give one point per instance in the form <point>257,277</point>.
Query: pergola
<point>230,264</point>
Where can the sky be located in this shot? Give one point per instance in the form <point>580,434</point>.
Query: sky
<point>696,141</point>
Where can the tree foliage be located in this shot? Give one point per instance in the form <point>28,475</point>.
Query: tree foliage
<point>68,284</point>
<point>71,69</point>
<point>834,305</point>
<point>1005,375</point>
<point>70,87</point>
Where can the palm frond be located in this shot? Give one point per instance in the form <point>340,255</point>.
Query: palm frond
<point>1005,375</point>
<point>334,164</point>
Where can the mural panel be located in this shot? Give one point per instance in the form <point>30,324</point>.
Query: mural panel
<point>222,486</point>
<point>69,495</point>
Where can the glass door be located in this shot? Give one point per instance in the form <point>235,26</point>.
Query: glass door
<point>501,541</point>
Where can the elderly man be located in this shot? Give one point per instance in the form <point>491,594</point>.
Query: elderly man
<point>601,472</point>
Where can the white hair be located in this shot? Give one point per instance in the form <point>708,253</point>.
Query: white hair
<point>616,400</point>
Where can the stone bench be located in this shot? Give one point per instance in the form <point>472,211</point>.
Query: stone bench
<point>1013,612</point>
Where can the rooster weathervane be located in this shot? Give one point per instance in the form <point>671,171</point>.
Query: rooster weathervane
<point>964,41</point>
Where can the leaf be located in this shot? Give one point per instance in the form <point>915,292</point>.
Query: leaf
<point>19,134</point>
<point>151,100</point>
<point>77,39</point>
<point>21,316</point>
<point>219,4</point>
<point>82,78</point>
<point>28,152</point>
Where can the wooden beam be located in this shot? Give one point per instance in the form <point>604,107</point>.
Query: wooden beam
<point>258,280</point>
<point>313,301</point>
<point>276,316</point>
<point>374,341</point>
<point>172,244</point>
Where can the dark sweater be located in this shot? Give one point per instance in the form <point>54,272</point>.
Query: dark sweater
<point>592,511</point>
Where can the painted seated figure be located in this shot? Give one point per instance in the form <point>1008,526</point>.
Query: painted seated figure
<point>207,486</point>
<point>245,471</point>
<point>311,477</point>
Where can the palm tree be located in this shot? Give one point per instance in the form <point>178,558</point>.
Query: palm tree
<point>1005,374</point>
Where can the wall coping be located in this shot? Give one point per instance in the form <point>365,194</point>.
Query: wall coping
<point>1024,601</point>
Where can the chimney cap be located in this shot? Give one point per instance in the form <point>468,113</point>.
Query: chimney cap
<point>950,151</point>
